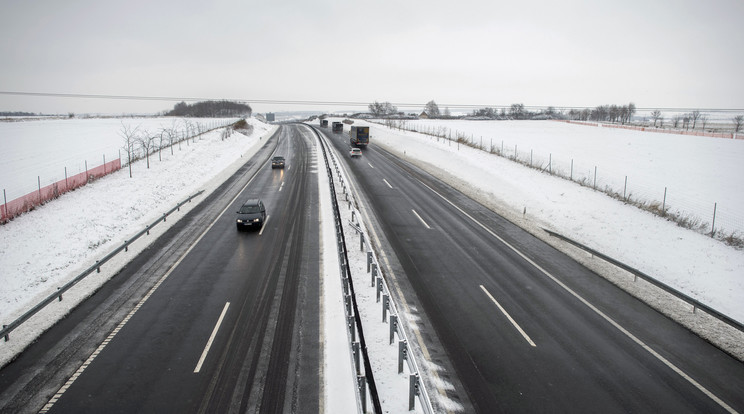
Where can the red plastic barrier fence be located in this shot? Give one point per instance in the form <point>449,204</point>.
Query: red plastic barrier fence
<point>23,204</point>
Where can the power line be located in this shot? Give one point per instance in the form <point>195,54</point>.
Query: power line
<point>335,103</point>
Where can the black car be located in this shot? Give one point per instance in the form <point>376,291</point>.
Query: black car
<point>252,214</point>
<point>277,162</point>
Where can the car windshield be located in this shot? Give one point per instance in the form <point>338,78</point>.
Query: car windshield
<point>246,209</point>
<point>278,158</point>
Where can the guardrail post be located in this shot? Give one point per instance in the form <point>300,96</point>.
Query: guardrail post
<point>413,391</point>
<point>352,216</point>
<point>362,386</point>
<point>60,296</point>
<point>393,327</point>
<point>347,302</point>
<point>7,336</point>
<point>385,304</point>
<point>379,289</point>
<point>352,328</point>
<point>402,354</point>
<point>369,261</point>
<point>361,241</point>
<point>374,273</point>
<point>126,245</point>
<point>98,268</point>
<point>355,350</point>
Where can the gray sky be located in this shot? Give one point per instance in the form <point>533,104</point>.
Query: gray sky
<point>655,53</point>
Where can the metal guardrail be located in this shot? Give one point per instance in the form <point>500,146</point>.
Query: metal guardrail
<point>7,329</point>
<point>672,291</point>
<point>416,388</point>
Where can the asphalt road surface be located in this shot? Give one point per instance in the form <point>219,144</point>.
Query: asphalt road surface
<point>525,328</point>
<point>208,319</point>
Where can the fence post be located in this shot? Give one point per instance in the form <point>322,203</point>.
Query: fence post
<point>663,203</point>
<point>625,188</point>
<point>595,177</point>
<point>571,169</point>
<point>713,227</point>
<point>5,198</point>
<point>38,178</point>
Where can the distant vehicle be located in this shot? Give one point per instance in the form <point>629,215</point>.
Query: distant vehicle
<point>355,152</point>
<point>277,162</point>
<point>324,123</point>
<point>252,214</point>
<point>359,135</point>
<point>338,127</point>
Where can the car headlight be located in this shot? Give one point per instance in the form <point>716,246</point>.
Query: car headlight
<point>255,220</point>
<point>240,221</point>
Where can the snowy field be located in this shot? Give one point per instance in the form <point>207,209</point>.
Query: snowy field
<point>699,174</point>
<point>39,150</point>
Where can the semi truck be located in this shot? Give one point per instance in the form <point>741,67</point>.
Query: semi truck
<point>338,127</point>
<point>324,123</point>
<point>359,135</point>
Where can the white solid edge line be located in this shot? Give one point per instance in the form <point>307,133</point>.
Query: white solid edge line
<point>211,339</point>
<point>596,310</point>
<point>386,182</point>
<point>263,226</point>
<point>501,308</point>
<point>419,217</point>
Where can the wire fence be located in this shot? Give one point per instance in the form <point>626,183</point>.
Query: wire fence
<point>720,220</point>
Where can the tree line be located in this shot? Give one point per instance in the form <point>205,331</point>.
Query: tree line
<point>211,109</point>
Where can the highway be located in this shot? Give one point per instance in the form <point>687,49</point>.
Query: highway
<point>208,319</point>
<point>523,327</point>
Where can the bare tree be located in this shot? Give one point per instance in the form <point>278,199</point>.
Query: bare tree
<point>656,115</point>
<point>695,115</point>
<point>704,120</point>
<point>675,120</point>
<point>517,111</point>
<point>738,122</point>
<point>130,138</point>
<point>147,143</point>
<point>432,109</point>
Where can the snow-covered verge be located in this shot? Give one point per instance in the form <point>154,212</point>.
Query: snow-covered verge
<point>695,264</point>
<point>43,249</point>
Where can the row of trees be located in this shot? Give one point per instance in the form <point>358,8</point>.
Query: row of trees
<point>604,113</point>
<point>211,109</point>
<point>141,143</point>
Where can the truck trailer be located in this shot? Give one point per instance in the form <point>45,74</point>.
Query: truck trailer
<point>359,136</point>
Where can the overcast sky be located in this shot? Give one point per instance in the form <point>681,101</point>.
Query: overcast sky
<point>655,53</point>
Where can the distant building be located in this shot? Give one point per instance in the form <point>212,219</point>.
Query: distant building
<point>424,115</point>
<point>269,117</point>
